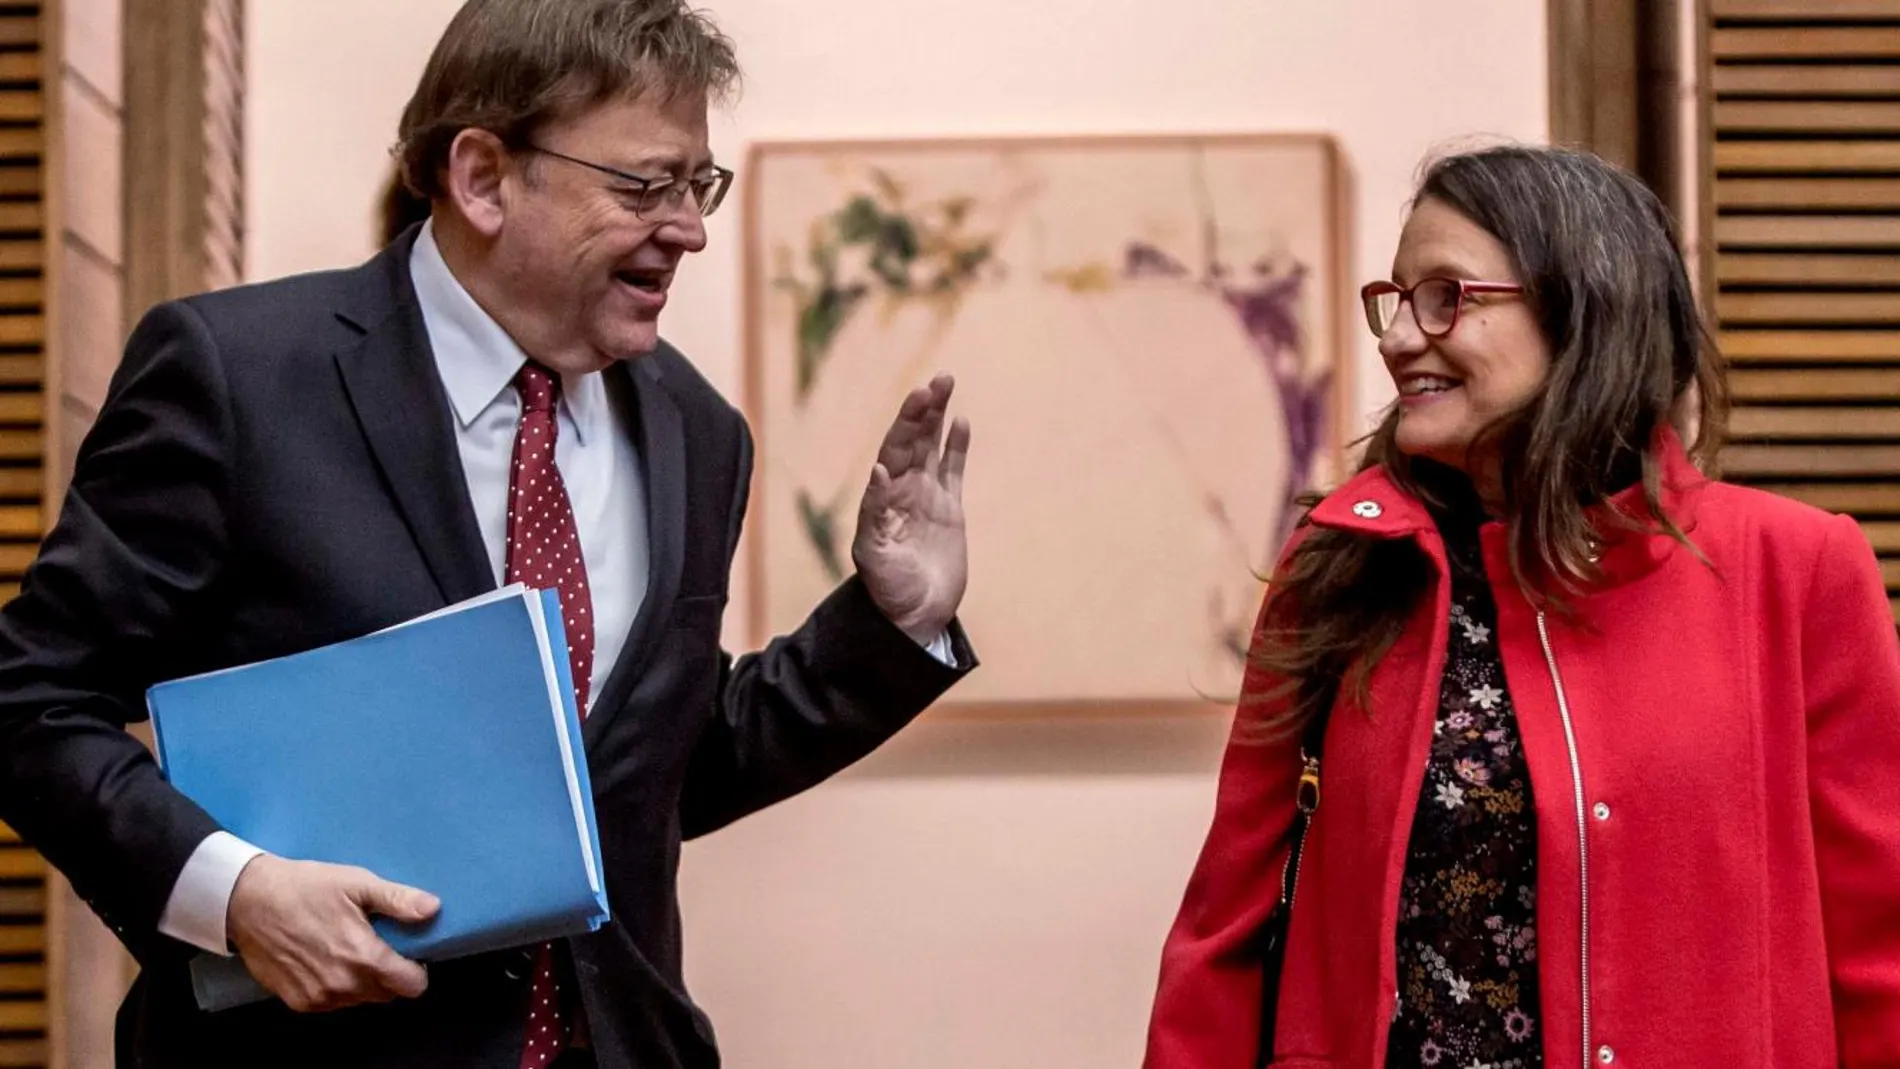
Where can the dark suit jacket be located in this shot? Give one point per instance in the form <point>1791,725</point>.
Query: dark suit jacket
<point>275,469</point>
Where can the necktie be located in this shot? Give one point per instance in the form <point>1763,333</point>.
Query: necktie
<point>544,552</point>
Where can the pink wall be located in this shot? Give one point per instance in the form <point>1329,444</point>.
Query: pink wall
<point>980,893</point>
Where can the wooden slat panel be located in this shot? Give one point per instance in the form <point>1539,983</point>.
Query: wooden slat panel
<point>1806,157</point>
<point>22,330</point>
<point>21,216</point>
<point>1846,346</point>
<point>22,938</point>
<point>21,255</point>
<point>1808,117</point>
<point>1881,499</point>
<point>22,977</point>
<point>21,408</point>
<point>1739,308</point>
<point>19,30</point>
<point>1809,231</point>
<point>1807,10</point>
<point>1820,384</point>
<point>18,483</point>
<point>1806,42</point>
<point>19,179</point>
<point>21,142</point>
<point>22,292</point>
<point>21,445</point>
<point>21,369</point>
<point>15,558</point>
<point>1756,421</point>
<point>20,521</point>
<point>1883,534</point>
<point>21,105</point>
<point>19,66</point>
<point>1830,182</point>
<point>1836,80</point>
<point>1798,461</point>
<point>1808,193</point>
<point>1809,269</point>
<point>22,1015</point>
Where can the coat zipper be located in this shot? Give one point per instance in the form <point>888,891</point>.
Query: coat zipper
<point>1307,800</point>
<point>1583,833</point>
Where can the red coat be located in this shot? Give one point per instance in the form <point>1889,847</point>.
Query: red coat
<point>1733,794</point>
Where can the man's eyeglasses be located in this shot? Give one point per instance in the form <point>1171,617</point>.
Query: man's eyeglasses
<point>1436,302</point>
<point>652,195</point>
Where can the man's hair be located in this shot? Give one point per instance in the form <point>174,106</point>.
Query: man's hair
<point>513,66</point>
<point>399,209</point>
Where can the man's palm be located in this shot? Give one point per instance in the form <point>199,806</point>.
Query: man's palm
<point>910,546</point>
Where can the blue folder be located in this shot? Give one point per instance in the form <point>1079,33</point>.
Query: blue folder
<point>443,753</point>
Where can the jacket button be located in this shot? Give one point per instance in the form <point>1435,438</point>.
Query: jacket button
<point>1370,510</point>
<point>1605,1055</point>
<point>1602,812</point>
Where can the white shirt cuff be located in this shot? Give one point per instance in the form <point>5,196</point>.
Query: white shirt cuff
<point>195,912</point>
<point>941,649</point>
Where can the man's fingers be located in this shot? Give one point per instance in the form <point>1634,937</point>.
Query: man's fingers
<point>914,434</point>
<point>395,901</point>
<point>878,492</point>
<point>398,975</point>
<point>899,442</point>
<point>955,452</point>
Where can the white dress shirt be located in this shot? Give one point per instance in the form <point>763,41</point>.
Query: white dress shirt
<point>600,466</point>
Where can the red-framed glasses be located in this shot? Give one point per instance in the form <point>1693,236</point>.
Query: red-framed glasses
<point>1436,302</point>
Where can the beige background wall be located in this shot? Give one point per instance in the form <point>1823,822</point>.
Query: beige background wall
<point>980,893</point>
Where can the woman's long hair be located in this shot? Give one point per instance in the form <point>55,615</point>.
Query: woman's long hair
<point>1598,257</point>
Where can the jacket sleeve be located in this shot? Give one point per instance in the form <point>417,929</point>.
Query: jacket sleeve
<point>1850,664</point>
<point>811,703</point>
<point>102,612</point>
<point>1207,1006</point>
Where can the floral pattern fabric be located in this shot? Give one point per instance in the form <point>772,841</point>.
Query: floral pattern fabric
<point>1467,930</point>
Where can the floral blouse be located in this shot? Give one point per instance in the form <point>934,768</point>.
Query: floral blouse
<point>1467,931</point>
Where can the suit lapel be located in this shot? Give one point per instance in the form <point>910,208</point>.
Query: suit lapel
<point>391,380</point>
<point>661,438</point>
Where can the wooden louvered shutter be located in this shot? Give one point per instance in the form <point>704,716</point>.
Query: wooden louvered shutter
<point>1802,99</point>
<point>23,247</point>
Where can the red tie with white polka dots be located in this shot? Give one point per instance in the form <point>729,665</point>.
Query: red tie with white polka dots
<point>544,551</point>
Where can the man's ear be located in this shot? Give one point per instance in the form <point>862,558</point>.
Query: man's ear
<point>473,179</point>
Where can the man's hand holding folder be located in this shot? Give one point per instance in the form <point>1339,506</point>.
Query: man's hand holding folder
<point>443,753</point>
<point>303,930</point>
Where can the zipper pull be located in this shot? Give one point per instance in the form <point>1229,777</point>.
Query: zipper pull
<point>1308,797</point>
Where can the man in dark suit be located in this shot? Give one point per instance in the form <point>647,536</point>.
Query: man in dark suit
<point>291,464</point>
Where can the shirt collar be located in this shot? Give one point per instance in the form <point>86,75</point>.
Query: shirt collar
<point>476,359</point>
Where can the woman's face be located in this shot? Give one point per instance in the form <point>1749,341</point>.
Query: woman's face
<point>1493,360</point>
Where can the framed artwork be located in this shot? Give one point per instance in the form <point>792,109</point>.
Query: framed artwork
<point>1147,337</point>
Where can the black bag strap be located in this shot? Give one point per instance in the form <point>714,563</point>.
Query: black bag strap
<point>1273,948</point>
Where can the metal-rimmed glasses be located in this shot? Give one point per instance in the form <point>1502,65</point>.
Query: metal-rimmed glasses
<point>649,195</point>
<point>1435,301</point>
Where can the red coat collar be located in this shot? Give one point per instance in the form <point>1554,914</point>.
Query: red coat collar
<point>1370,503</point>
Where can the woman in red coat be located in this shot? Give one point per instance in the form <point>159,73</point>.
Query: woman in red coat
<point>1609,751</point>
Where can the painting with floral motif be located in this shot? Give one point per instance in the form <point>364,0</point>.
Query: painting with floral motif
<point>1146,336</point>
